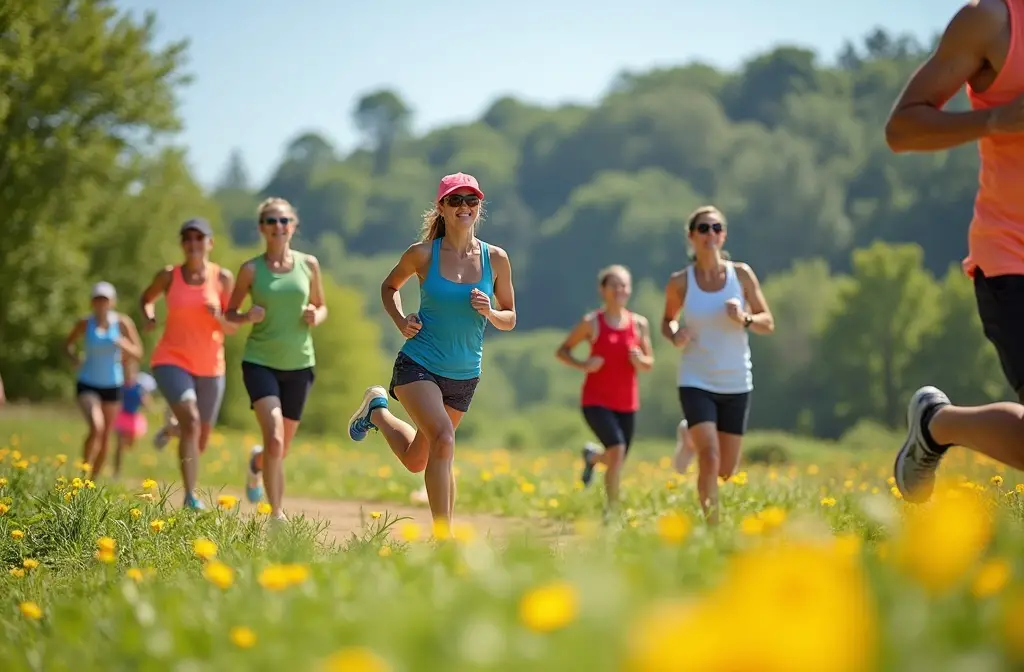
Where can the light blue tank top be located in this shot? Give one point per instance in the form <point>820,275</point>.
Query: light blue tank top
<point>451,340</point>
<point>102,366</point>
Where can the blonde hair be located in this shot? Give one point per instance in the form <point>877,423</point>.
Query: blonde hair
<point>433,223</point>
<point>614,269</point>
<point>275,202</point>
<point>691,222</point>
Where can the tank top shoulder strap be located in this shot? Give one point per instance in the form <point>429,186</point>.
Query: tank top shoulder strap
<point>486,272</point>
<point>435,258</point>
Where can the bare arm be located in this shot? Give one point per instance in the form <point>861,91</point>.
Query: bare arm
<point>69,343</point>
<point>644,361</point>
<point>917,121</point>
<point>675,292</point>
<point>761,320</point>
<point>409,264</point>
<point>227,286</point>
<point>504,317</point>
<point>3,397</point>
<point>583,331</point>
<point>130,342</point>
<point>238,294</point>
<point>316,290</point>
<point>157,288</point>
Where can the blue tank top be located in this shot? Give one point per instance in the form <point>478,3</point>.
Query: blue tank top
<point>451,340</point>
<point>102,366</point>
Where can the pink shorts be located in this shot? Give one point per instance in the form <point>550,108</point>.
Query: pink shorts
<point>131,425</point>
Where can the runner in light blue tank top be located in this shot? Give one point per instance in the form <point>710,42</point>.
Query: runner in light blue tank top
<point>450,342</point>
<point>464,285</point>
<point>108,338</point>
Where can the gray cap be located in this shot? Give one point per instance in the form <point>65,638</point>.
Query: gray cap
<point>104,290</point>
<point>197,224</point>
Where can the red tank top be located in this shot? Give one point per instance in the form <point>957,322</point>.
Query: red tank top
<point>614,385</point>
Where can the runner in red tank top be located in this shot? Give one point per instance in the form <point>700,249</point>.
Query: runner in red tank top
<point>620,345</point>
<point>982,47</point>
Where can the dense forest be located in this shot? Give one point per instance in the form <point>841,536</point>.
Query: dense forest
<point>858,249</point>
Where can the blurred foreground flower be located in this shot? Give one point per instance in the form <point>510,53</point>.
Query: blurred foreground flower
<point>204,548</point>
<point>227,501</point>
<point>778,609</point>
<point>242,637</point>
<point>219,574</point>
<point>942,541</point>
<point>30,610</point>
<point>549,607</point>
<point>674,527</point>
<point>279,577</point>
<point>355,659</point>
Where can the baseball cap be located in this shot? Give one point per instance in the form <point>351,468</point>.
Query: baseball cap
<point>197,224</point>
<point>104,290</point>
<point>456,181</point>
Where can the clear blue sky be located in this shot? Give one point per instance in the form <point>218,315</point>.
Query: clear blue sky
<point>266,70</point>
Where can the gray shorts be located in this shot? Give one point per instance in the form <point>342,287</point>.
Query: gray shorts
<point>178,385</point>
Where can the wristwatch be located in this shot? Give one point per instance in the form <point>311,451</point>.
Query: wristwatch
<point>748,319</point>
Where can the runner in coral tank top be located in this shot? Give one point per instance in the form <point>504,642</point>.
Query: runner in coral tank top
<point>982,47</point>
<point>188,362</point>
<point>620,345</point>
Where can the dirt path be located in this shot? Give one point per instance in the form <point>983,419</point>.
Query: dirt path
<point>347,517</point>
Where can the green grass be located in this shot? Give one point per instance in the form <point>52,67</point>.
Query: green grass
<point>848,583</point>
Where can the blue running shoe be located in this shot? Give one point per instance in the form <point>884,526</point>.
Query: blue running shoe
<point>359,424</point>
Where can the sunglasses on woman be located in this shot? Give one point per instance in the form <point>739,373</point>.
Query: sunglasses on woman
<point>456,200</point>
<point>704,227</point>
<point>274,221</point>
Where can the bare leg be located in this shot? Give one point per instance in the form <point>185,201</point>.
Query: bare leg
<point>268,414</point>
<point>109,410</point>
<point>934,424</point>
<point>187,415</point>
<point>709,462</point>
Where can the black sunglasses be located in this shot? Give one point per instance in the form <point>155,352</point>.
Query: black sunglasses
<point>274,221</point>
<point>704,227</point>
<point>192,236</point>
<point>456,200</point>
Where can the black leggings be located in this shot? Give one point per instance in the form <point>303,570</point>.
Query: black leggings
<point>612,428</point>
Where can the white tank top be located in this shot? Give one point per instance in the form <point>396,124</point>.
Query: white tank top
<point>717,358</point>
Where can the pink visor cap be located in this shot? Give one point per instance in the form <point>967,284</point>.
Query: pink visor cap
<point>450,183</point>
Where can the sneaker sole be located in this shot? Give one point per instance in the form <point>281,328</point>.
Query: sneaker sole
<point>914,409</point>
<point>368,395</point>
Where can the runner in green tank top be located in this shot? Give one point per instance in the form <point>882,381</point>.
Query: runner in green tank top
<point>277,366</point>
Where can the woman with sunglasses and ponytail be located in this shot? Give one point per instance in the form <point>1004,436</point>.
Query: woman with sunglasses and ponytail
<point>437,371</point>
<point>721,301</point>
<point>277,365</point>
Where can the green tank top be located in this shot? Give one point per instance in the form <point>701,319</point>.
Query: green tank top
<point>282,340</point>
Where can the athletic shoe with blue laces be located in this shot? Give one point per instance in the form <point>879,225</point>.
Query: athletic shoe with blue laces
<point>359,425</point>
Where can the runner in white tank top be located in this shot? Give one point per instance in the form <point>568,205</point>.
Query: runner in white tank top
<point>720,301</point>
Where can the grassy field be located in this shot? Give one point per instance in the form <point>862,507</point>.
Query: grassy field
<point>816,566</point>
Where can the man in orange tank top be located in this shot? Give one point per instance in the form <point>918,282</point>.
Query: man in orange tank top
<point>982,47</point>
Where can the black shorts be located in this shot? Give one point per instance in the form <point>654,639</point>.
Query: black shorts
<point>612,428</point>
<point>1001,309</point>
<point>729,412</point>
<point>107,395</point>
<point>456,394</point>
<point>291,387</point>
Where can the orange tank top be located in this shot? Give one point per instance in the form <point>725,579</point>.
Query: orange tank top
<point>996,236</point>
<point>193,338</point>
